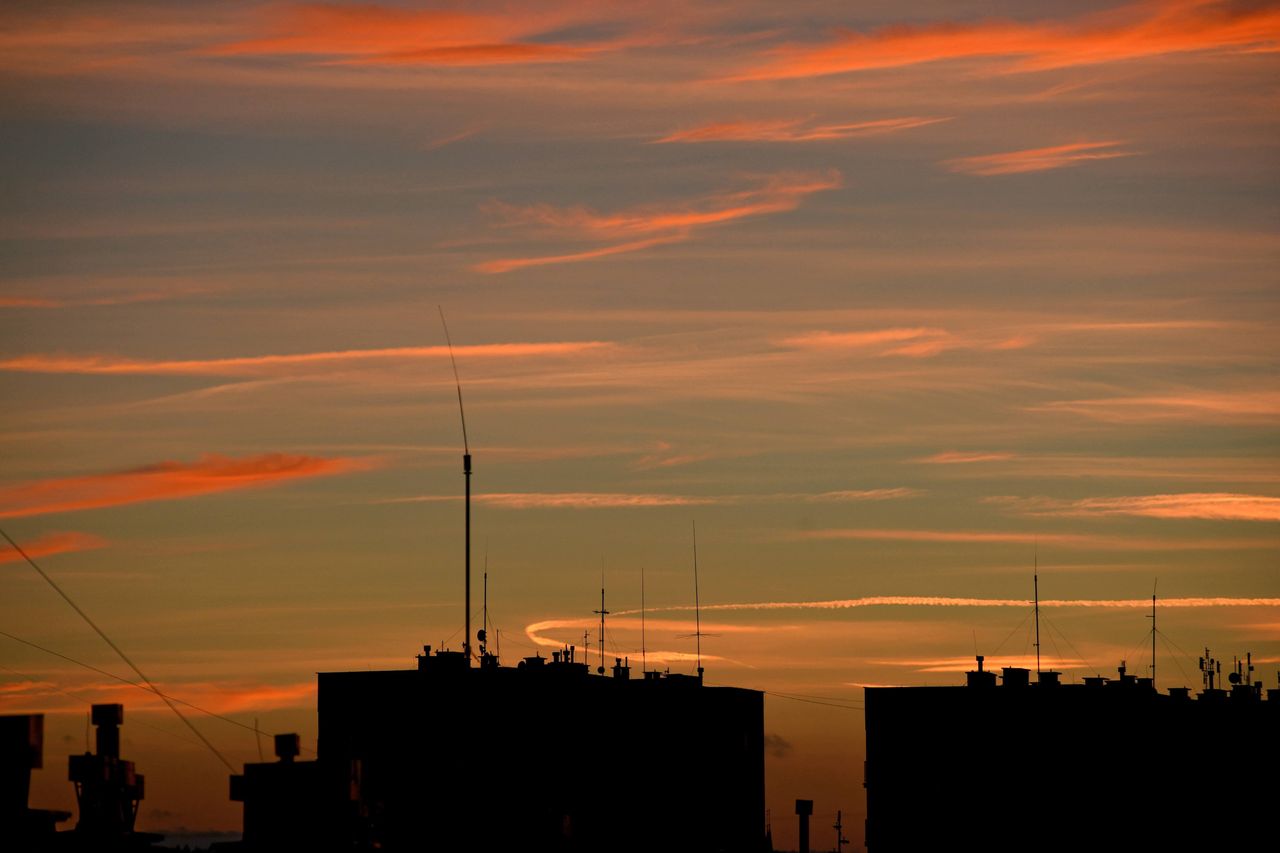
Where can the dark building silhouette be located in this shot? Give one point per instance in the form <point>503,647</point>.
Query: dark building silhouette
<point>1109,764</point>
<point>108,791</point>
<point>21,751</point>
<point>293,804</point>
<point>543,756</point>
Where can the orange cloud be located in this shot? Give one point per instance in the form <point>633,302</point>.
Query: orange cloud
<point>644,227</point>
<point>164,481</point>
<point>958,458</point>
<point>54,543</point>
<point>94,364</point>
<point>509,264</point>
<point>948,601</point>
<point>1140,30</point>
<point>1061,540</point>
<point>613,500</point>
<point>586,500</point>
<point>1193,406</point>
<point>1204,505</point>
<point>920,342</point>
<point>792,130</point>
<point>371,34</point>
<point>217,698</point>
<point>965,664</point>
<point>824,340</point>
<point>1036,159</point>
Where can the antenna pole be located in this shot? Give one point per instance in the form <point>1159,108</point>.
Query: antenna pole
<point>697,605</point>
<point>602,613</point>
<point>466,473</point>
<point>1036,581</point>
<point>1153,637</point>
<point>644,658</point>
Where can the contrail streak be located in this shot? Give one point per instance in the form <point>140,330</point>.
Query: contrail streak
<point>941,601</point>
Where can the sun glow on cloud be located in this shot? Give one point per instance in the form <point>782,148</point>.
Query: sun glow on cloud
<point>1139,30</point>
<point>1203,505</point>
<point>372,34</point>
<point>54,543</point>
<point>112,365</point>
<point>210,474</point>
<point>792,130</point>
<point>654,225</point>
<point>946,601</point>
<point>1036,159</point>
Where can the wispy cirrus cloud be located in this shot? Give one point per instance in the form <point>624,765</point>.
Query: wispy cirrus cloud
<point>372,34</point>
<point>1151,28</point>
<point>616,500</point>
<point>951,664</point>
<point>210,474</point>
<point>1059,540</point>
<point>1224,506</point>
<point>908,342</point>
<point>1195,406</point>
<point>226,697</point>
<point>942,601</point>
<point>1037,159</point>
<point>653,225</point>
<point>248,365</point>
<point>793,130</point>
<point>956,457</point>
<point>54,543</point>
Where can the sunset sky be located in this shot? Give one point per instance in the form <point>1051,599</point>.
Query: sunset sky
<point>895,301</point>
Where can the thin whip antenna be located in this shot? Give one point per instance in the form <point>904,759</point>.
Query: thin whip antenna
<point>1036,581</point>
<point>644,658</point>
<point>117,650</point>
<point>456,381</point>
<point>1154,586</point>
<point>697,605</point>
<point>466,473</point>
<point>601,613</point>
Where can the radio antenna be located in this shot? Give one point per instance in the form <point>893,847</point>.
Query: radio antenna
<point>644,658</point>
<point>697,605</point>
<point>466,473</point>
<point>1035,580</point>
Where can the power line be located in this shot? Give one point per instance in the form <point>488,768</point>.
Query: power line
<point>117,650</point>
<point>214,714</point>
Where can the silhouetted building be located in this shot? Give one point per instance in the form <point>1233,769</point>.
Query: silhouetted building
<point>21,751</point>
<point>294,805</point>
<point>1108,764</point>
<point>108,790</point>
<point>540,757</point>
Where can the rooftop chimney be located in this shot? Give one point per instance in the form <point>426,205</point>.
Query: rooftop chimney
<point>288,747</point>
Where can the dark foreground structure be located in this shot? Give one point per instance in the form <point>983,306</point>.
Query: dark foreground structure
<point>1106,765</point>
<point>544,756</point>
<point>108,790</point>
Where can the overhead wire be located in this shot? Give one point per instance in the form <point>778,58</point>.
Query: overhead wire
<point>117,650</point>
<point>214,714</point>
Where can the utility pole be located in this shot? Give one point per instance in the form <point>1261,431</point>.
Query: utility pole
<point>841,841</point>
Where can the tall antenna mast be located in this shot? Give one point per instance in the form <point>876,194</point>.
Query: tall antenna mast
<point>1036,581</point>
<point>697,605</point>
<point>483,634</point>
<point>602,613</point>
<point>1153,632</point>
<point>644,658</point>
<point>466,473</point>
